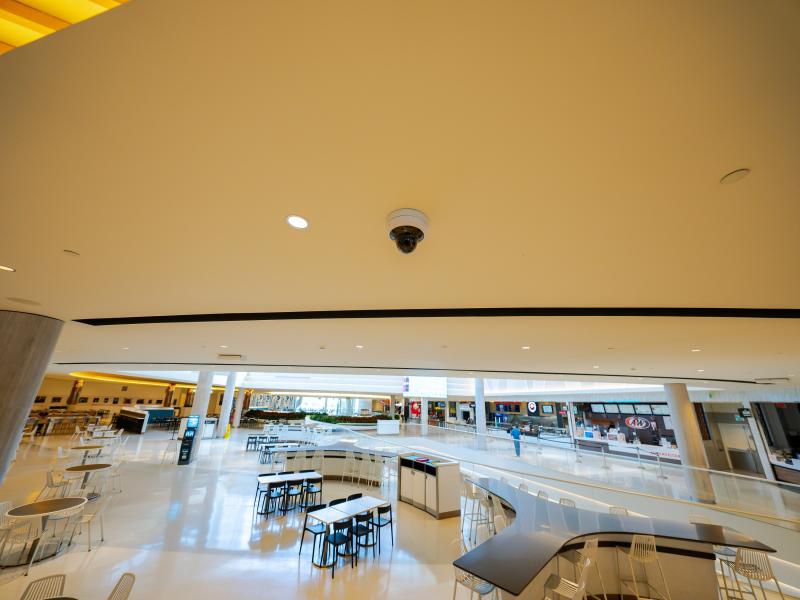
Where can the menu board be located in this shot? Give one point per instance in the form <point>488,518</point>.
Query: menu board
<point>643,409</point>
<point>660,409</point>
<point>598,408</point>
<point>611,408</point>
<point>546,409</point>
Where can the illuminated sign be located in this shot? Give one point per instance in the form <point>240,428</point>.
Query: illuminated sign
<point>637,423</point>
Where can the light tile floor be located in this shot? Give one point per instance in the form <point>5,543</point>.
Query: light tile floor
<point>190,532</point>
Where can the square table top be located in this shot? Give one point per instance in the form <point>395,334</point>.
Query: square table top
<point>289,477</point>
<point>327,515</point>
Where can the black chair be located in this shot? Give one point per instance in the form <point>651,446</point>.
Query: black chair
<point>313,491</point>
<point>342,537</point>
<point>317,529</point>
<point>286,473</point>
<point>337,501</point>
<point>261,488</point>
<point>252,443</point>
<point>363,529</point>
<point>293,495</point>
<point>354,496</point>
<point>382,521</point>
<point>274,497</point>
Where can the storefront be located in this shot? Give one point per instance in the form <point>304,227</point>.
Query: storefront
<point>627,428</point>
<point>780,423</point>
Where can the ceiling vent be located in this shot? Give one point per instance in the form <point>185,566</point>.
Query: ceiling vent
<point>230,357</point>
<point>771,380</point>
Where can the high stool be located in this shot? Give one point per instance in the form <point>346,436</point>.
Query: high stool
<point>643,551</point>
<point>577,557</point>
<point>470,493</point>
<point>483,515</point>
<point>753,565</point>
<point>472,583</point>
<point>574,590</point>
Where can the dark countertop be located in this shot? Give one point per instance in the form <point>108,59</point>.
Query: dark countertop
<point>512,558</point>
<point>93,467</point>
<point>46,507</point>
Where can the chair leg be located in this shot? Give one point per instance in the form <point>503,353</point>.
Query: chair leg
<point>89,535</point>
<point>102,533</point>
<point>663,580</point>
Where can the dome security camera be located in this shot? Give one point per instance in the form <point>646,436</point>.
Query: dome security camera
<point>407,227</point>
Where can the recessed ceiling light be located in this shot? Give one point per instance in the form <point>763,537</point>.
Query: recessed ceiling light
<point>71,252</point>
<point>526,347</point>
<point>223,346</point>
<point>734,176</point>
<point>701,370</point>
<point>126,348</point>
<point>359,346</point>
<point>297,221</point>
<point>5,268</point>
<point>596,366</point>
<point>695,349</point>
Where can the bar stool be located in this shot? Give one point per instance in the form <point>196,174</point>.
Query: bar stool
<point>543,495</point>
<point>577,557</point>
<point>470,493</point>
<point>469,581</point>
<point>643,551</point>
<point>567,502</point>
<point>618,510</point>
<point>523,487</point>
<point>753,565</point>
<point>484,514</point>
<point>574,590</point>
<point>350,467</point>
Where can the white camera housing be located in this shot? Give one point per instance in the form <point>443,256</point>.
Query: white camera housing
<point>407,227</point>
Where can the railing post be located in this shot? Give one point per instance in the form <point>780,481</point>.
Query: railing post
<point>538,442</point>
<point>577,451</point>
<point>639,458</point>
<point>605,462</point>
<point>660,468</point>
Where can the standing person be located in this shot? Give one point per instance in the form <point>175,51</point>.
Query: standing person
<point>515,434</point>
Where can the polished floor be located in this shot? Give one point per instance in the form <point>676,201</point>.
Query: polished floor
<point>190,532</point>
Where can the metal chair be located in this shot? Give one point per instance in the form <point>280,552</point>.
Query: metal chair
<point>618,510</point>
<point>543,495</point>
<point>123,588</point>
<point>316,529</point>
<point>643,552</point>
<point>91,512</point>
<point>469,581</point>
<point>753,565</point>
<point>350,467</point>
<point>567,502</point>
<point>56,486</point>
<point>380,521</point>
<point>574,590</point>
<point>318,461</point>
<point>577,557</point>
<point>45,587</point>
<point>59,528</point>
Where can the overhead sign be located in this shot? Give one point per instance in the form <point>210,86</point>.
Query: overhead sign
<point>425,387</point>
<point>637,423</point>
<point>531,408</point>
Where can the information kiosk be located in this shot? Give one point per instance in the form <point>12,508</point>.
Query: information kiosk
<point>185,455</point>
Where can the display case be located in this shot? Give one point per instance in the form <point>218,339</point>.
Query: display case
<point>430,484</point>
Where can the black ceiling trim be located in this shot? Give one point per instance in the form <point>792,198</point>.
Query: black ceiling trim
<point>241,366</point>
<point>404,313</point>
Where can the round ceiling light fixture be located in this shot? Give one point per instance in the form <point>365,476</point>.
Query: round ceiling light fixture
<point>734,176</point>
<point>359,346</point>
<point>297,222</point>
<point>695,350</point>
<point>7,268</point>
<point>526,347</point>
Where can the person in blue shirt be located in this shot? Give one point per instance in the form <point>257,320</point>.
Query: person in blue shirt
<point>515,433</point>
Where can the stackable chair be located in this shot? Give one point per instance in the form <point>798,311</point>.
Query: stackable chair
<point>59,528</point>
<point>274,496</point>
<point>45,587</point>
<point>577,558</point>
<point>473,584</point>
<point>55,487</point>
<point>643,552</point>
<point>364,529</point>
<point>355,496</point>
<point>293,495</point>
<point>341,540</point>
<point>752,565</point>
<point>19,535</point>
<point>93,511</point>
<point>381,520</point>
<point>316,529</point>
<point>618,510</point>
<point>564,588</point>
<point>5,522</point>
<point>312,492</point>
<point>261,488</point>
<point>123,588</point>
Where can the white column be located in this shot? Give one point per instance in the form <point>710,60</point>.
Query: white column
<point>26,343</point>
<point>690,442</point>
<point>571,416</point>
<point>237,409</point>
<point>758,440</point>
<point>227,403</point>
<point>423,415</point>
<point>202,395</point>
<point>480,407</point>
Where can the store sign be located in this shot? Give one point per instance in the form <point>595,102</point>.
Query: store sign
<point>531,408</point>
<point>745,413</point>
<point>637,423</point>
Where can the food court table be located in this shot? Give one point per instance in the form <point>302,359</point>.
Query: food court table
<point>87,470</point>
<point>340,512</point>
<point>44,509</point>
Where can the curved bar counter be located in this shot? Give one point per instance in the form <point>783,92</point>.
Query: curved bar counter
<point>516,559</point>
<point>334,459</point>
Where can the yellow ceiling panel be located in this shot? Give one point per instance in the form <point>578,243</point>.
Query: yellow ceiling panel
<point>5,47</point>
<point>68,10</point>
<point>24,15</point>
<point>15,34</point>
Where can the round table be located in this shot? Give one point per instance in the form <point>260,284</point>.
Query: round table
<point>44,509</point>
<point>87,470</point>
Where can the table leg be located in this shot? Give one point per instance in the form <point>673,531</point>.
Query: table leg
<point>323,562</point>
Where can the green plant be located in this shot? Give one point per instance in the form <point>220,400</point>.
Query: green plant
<point>342,419</point>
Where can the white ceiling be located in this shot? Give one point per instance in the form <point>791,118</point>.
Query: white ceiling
<point>566,154</point>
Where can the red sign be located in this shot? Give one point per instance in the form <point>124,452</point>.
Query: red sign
<point>637,423</point>
<point>415,409</point>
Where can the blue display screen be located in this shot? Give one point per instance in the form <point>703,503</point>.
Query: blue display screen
<point>193,421</point>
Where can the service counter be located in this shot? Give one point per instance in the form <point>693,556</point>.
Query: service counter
<point>334,459</point>
<point>521,557</point>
